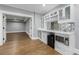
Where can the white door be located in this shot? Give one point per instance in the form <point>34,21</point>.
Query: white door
<point>4,29</point>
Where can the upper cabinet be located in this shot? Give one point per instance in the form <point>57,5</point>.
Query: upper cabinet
<point>61,14</point>
<point>67,12</point>
<point>64,13</point>
<point>59,19</point>
<point>54,16</point>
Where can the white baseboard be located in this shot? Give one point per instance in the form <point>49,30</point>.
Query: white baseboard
<point>71,52</point>
<point>14,32</point>
<point>40,40</point>
<point>1,44</point>
<point>37,38</point>
<point>74,50</point>
<point>34,38</point>
<point>59,51</point>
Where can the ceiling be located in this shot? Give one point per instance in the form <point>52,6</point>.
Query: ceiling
<point>38,8</point>
<point>12,18</point>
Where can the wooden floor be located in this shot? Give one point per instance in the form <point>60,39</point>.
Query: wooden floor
<point>21,44</point>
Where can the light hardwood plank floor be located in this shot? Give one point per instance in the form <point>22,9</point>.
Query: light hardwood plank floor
<point>21,44</point>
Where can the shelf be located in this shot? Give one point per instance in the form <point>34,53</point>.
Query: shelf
<point>50,20</point>
<point>54,16</point>
<point>61,32</point>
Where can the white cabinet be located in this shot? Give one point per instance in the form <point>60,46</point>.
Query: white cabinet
<point>67,27</point>
<point>42,22</point>
<point>67,18</point>
<point>61,14</point>
<point>67,12</point>
<point>44,37</point>
<point>64,13</point>
<point>64,48</point>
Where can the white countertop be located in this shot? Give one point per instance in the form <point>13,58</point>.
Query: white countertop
<point>61,32</point>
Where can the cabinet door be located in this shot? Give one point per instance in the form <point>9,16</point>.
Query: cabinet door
<point>64,13</point>
<point>45,25</point>
<point>60,14</point>
<point>42,23</point>
<point>44,37</point>
<point>67,12</point>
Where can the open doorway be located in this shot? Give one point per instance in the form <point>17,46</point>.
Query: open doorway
<point>16,26</point>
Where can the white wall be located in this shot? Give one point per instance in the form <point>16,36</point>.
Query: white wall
<point>36,22</point>
<point>76,25</point>
<point>27,26</point>
<point>15,27</point>
<point>15,10</point>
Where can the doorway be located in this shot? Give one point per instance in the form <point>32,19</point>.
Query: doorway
<point>16,24</point>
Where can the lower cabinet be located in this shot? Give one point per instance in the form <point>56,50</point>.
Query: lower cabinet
<point>63,49</point>
<point>44,37</point>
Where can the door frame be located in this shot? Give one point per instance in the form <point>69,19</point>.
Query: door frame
<point>4,28</point>
<point>19,14</point>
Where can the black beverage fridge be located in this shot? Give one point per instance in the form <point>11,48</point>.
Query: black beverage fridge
<point>51,40</point>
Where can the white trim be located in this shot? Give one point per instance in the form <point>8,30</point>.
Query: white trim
<point>59,51</point>
<point>28,34</point>
<point>43,41</point>
<point>74,50</point>
<point>34,38</point>
<point>19,14</point>
<point>1,29</point>
<point>1,44</point>
<point>15,32</point>
<point>37,38</point>
<point>13,13</point>
<point>61,32</point>
<point>71,50</point>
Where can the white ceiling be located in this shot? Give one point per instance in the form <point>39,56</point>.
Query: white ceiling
<point>38,8</point>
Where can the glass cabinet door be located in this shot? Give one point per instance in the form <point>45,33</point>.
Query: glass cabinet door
<point>64,13</point>
<point>60,14</point>
<point>42,22</point>
<point>67,12</point>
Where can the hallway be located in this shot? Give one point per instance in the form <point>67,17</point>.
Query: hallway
<point>20,44</point>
